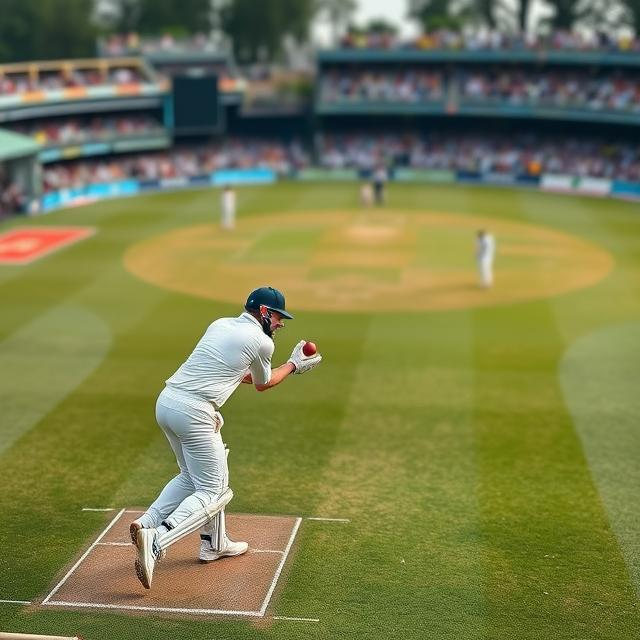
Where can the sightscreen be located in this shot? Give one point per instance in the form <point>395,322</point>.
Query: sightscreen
<point>196,106</point>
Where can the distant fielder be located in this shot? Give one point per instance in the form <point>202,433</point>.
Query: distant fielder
<point>366,194</point>
<point>232,351</point>
<point>228,207</point>
<point>380,177</point>
<point>485,253</point>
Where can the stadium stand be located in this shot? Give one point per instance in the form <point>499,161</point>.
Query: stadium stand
<point>491,40</point>
<point>439,103</point>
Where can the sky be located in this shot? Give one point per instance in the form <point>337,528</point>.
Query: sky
<point>396,11</point>
<point>392,10</point>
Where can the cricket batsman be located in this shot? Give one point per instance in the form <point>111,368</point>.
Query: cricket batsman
<point>232,351</point>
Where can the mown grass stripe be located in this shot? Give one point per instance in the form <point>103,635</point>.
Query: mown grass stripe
<point>43,362</point>
<point>599,375</point>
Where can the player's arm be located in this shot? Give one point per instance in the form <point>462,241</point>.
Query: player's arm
<point>297,363</point>
<point>277,376</point>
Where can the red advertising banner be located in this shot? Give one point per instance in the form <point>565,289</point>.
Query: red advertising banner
<point>24,245</point>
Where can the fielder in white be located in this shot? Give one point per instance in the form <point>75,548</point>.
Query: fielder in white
<point>228,206</point>
<point>232,351</point>
<point>485,253</point>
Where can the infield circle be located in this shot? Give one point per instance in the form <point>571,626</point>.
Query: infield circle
<point>373,261</point>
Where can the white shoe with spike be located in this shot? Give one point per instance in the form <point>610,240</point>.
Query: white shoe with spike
<point>231,548</point>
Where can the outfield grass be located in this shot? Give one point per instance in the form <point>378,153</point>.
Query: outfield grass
<point>487,458</point>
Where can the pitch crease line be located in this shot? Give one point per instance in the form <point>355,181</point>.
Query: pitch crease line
<point>83,556</point>
<point>296,619</point>
<point>266,551</point>
<point>113,544</point>
<point>15,601</point>
<point>96,605</point>
<point>285,554</point>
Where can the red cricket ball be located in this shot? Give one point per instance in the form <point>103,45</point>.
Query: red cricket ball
<point>309,349</point>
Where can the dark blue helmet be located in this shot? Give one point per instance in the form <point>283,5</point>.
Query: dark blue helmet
<point>270,298</point>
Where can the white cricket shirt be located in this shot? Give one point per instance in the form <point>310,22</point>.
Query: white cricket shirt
<point>229,349</point>
<point>485,247</point>
<point>229,201</point>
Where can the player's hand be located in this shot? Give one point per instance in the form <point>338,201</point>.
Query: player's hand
<point>218,421</point>
<point>301,362</point>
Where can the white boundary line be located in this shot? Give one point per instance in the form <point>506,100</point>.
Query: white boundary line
<point>92,509</point>
<point>330,519</point>
<point>292,537</point>
<point>15,601</point>
<point>113,544</point>
<point>265,551</point>
<point>296,619</point>
<point>84,555</point>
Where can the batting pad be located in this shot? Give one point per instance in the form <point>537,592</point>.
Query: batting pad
<point>216,530</point>
<point>195,520</point>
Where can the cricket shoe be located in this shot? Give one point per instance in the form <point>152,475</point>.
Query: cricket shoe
<point>148,554</point>
<point>134,527</point>
<point>231,548</point>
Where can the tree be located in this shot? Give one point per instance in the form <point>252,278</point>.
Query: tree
<point>524,9</point>
<point>258,29</point>
<point>175,16</point>
<point>120,16</point>
<point>381,26</point>
<point>569,13</point>
<point>611,16</point>
<point>631,15</point>
<point>46,29</point>
<point>435,14</point>
<point>154,17</point>
<point>16,37</point>
<point>338,13</point>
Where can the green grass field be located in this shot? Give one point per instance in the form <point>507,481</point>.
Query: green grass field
<point>487,456</point>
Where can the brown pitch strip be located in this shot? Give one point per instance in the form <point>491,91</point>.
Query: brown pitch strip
<point>238,586</point>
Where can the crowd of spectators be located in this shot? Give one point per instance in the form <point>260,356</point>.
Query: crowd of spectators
<point>13,82</point>
<point>124,44</point>
<point>562,89</point>
<point>504,86</point>
<point>406,85</point>
<point>180,162</point>
<point>490,40</point>
<point>12,196</point>
<point>523,155</point>
<point>80,130</point>
<point>513,155</point>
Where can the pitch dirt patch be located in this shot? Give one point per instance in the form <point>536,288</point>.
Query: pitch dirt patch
<point>350,261</point>
<point>105,578</point>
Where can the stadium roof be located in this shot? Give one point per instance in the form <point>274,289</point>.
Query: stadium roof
<point>13,145</point>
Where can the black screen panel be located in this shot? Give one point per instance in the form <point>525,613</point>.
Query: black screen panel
<point>196,105</point>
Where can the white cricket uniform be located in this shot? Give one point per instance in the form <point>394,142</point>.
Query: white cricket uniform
<point>485,253</point>
<point>228,202</point>
<point>186,410</point>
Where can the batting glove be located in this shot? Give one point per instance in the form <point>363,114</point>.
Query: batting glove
<point>301,362</point>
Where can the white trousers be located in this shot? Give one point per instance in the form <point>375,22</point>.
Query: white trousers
<point>485,268</point>
<point>201,458</point>
<point>228,217</point>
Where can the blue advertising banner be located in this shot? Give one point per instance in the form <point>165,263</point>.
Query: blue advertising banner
<point>243,176</point>
<point>197,181</point>
<point>623,189</point>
